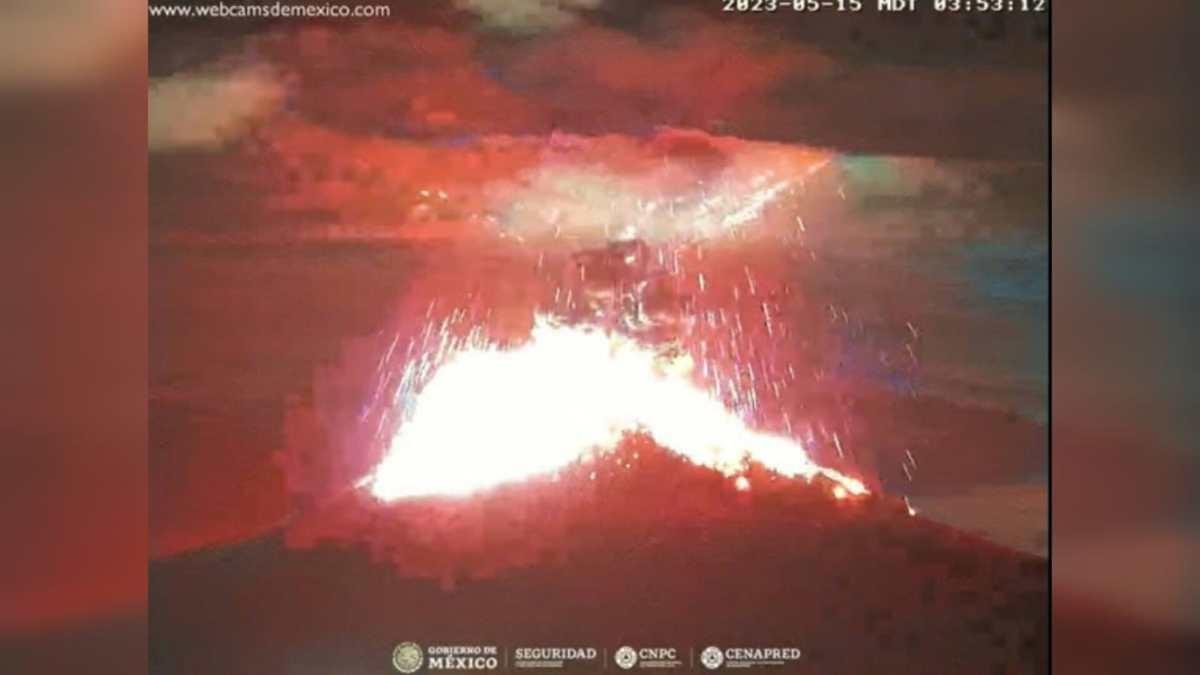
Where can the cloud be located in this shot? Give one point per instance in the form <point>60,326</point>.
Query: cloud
<point>424,82</point>
<point>528,16</point>
<point>208,110</point>
<point>704,76</point>
<point>396,80</point>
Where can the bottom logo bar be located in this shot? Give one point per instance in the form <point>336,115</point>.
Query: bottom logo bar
<point>410,657</point>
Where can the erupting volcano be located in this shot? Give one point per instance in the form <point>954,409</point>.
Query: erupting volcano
<point>668,303</point>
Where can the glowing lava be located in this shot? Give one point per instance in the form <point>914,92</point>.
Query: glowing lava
<point>490,415</point>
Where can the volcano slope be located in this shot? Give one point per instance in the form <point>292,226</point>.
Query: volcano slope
<point>636,546</point>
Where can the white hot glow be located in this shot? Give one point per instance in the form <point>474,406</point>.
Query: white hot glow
<point>489,416</point>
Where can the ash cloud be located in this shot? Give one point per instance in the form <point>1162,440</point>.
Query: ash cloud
<point>208,110</point>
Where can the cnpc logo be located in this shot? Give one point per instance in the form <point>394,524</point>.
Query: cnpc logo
<point>627,657</point>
